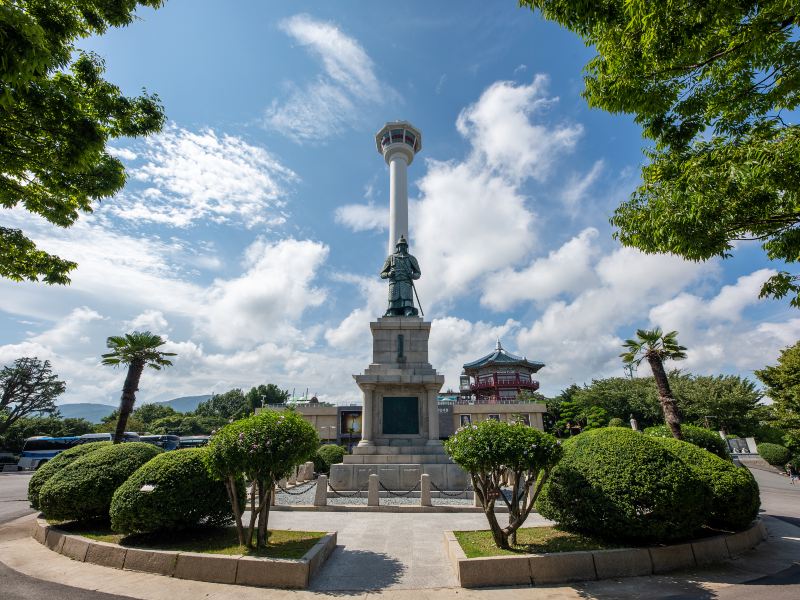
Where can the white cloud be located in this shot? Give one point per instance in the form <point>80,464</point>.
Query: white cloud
<point>363,217</point>
<point>123,153</point>
<point>274,291</point>
<point>339,95</point>
<point>577,186</point>
<point>566,269</point>
<point>500,127</point>
<point>150,320</point>
<point>194,177</point>
<point>353,332</point>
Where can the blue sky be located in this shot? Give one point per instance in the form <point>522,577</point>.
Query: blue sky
<point>252,228</point>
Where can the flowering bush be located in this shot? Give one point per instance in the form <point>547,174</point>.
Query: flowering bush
<point>265,448</point>
<point>494,451</point>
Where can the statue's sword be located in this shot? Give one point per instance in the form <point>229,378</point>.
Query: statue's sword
<point>413,287</point>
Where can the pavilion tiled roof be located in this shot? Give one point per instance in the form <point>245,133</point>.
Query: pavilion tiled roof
<point>501,357</point>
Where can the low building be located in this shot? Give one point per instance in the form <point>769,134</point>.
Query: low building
<point>334,424</point>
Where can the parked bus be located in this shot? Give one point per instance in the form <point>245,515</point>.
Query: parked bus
<point>128,436</point>
<point>167,442</point>
<point>38,450</point>
<point>194,441</point>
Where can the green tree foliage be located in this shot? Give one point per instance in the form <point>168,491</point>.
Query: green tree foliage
<point>266,394</point>
<point>82,490</point>
<point>27,386</point>
<point>149,413</point>
<point>616,422</point>
<point>57,114</point>
<point>229,405</point>
<point>180,424</point>
<point>710,82</point>
<point>575,416</point>
<point>621,485</point>
<point>136,351</point>
<point>172,491</point>
<point>108,424</point>
<point>52,466</point>
<point>735,495</point>
<point>265,448</point>
<point>774,454</point>
<point>490,451</point>
<point>655,347</point>
<point>699,436</point>
<point>782,382</point>
<point>26,427</point>
<point>726,402</point>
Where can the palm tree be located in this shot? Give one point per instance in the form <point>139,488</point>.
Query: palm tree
<point>656,346</point>
<point>137,350</point>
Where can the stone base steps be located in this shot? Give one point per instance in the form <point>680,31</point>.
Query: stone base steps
<point>397,459</point>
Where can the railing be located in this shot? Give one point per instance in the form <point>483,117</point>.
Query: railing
<point>483,383</point>
<point>490,400</point>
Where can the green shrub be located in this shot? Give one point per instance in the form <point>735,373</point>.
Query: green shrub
<point>265,447</point>
<point>735,492</point>
<point>183,494</point>
<point>616,422</point>
<point>328,455</point>
<point>59,461</point>
<point>491,450</point>
<point>774,454</point>
<point>699,436</point>
<point>620,485</point>
<point>83,489</point>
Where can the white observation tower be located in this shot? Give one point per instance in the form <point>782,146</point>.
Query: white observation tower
<point>398,142</point>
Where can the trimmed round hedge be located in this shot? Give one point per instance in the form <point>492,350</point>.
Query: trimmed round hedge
<point>620,485</point>
<point>43,474</point>
<point>735,492</point>
<point>699,436</point>
<point>83,489</point>
<point>328,455</point>
<point>616,422</point>
<point>172,491</point>
<point>774,454</point>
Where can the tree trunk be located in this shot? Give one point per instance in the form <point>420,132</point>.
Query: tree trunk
<point>481,487</point>
<point>668,404</point>
<point>128,398</point>
<point>233,494</point>
<point>263,517</point>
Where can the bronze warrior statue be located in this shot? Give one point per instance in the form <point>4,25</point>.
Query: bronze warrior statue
<point>401,269</point>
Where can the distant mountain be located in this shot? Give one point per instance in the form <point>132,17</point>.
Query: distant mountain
<point>96,412</point>
<point>85,410</point>
<point>185,403</point>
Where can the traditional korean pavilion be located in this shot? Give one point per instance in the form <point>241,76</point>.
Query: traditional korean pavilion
<point>498,377</point>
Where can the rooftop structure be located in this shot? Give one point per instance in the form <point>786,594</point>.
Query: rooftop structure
<point>498,377</point>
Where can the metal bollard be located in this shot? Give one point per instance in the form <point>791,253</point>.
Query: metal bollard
<point>373,497</point>
<point>425,490</point>
<point>321,493</point>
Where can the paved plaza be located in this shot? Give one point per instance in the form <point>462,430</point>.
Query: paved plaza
<point>402,556</point>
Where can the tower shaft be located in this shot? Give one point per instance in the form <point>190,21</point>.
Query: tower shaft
<point>398,199</point>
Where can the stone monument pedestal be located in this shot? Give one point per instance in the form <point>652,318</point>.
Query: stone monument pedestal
<point>400,422</point>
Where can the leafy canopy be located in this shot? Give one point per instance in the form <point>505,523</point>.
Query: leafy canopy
<point>653,344</point>
<point>138,347</point>
<point>711,83</point>
<point>782,382</point>
<point>57,114</point>
<point>229,405</point>
<point>26,387</point>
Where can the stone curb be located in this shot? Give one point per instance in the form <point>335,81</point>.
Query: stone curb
<point>564,567</point>
<point>390,508</point>
<point>216,568</point>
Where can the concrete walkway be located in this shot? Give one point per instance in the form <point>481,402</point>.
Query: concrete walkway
<point>386,550</point>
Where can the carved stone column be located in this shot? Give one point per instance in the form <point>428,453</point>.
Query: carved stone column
<point>367,416</point>
<point>432,392</point>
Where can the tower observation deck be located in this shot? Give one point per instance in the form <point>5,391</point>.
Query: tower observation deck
<point>398,142</point>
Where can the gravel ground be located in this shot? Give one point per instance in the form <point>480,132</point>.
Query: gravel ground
<point>307,497</point>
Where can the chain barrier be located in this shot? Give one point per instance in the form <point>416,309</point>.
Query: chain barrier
<point>452,494</point>
<point>297,493</point>
<point>398,494</point>
<point>356,494</point>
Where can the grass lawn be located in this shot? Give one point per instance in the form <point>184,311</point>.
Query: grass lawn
<point>531,540</point>
<point>223,540</point>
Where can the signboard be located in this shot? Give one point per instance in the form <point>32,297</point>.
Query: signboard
<point>401,415</point>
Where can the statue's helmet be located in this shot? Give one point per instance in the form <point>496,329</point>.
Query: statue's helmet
<point>402,244</point>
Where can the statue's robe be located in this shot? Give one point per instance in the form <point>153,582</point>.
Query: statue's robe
<point>400,269</point>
